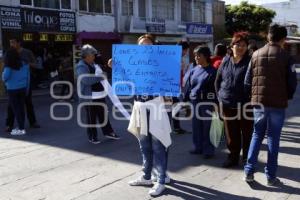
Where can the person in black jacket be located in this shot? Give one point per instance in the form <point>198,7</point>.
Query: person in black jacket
<point>199,89</point>
<point>229,86</point>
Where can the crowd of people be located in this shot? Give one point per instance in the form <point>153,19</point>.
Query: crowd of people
<point>248,87</point>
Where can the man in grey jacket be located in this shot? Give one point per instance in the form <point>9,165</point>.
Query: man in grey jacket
<point>91,90</point>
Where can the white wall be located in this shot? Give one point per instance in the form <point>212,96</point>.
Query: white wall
<point>95,23</point>
<point>286,11</point>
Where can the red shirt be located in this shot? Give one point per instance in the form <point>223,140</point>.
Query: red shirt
<point>216,61</point>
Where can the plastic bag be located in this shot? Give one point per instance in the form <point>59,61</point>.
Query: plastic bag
<point>216,130</point>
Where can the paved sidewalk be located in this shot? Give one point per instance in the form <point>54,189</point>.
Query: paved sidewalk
<point>56,162</point>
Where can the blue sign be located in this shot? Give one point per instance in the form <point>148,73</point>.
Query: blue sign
<point>146,70</point>
<point>200,29</point>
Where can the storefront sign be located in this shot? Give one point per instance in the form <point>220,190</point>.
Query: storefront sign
<point>29,19</point>
<point>63,38</point>
<point>10,18</point>
<point>43,37</point>
<point>27,37</point>
<point>200,29</point>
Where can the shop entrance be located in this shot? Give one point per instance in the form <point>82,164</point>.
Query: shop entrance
<point>49,49</point>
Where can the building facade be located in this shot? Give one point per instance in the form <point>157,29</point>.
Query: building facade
<point>59,25</point>
<point>170,20</point>
<point>287,13</point>
<point>219,21</point>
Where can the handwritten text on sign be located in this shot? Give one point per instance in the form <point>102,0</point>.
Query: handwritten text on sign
<point>146,69</point>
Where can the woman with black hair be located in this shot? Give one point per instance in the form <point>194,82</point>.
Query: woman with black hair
<point>16,78</point>
<point>199,90</point>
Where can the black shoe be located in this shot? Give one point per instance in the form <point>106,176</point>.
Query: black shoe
<point>180,131</point>
<point>195,152</point>
<point>273,181</point>
<point>207,157</point>
<point>230,163</point>
<point>112,136</point>
<point>35,125</point>
<point>95,141</point>
<point>249,178</point>
<point>8,129</point>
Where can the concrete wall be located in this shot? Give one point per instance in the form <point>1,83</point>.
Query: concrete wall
<point>95,23</point>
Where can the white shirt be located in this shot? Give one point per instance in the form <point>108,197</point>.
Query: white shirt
<point>159,123</point>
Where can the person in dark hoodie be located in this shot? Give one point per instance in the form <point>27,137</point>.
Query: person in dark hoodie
<point>91,90</point>
<point>230,90</point>
<point>199,89</point>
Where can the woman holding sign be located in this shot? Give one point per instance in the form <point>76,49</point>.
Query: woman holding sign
<point>153,134</point>
<point>199,89</point>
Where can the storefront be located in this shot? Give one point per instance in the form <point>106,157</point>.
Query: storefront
<point>40,30</point>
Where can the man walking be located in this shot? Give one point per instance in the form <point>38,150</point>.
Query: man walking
<point>272,79</point>
<point>28,58</point>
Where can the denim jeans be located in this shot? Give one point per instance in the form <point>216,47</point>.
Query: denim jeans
<point>201,128</point>
<point>155,155</point>
<point>270,120</point>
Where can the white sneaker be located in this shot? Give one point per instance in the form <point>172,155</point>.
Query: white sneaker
<point>157,189</point>
<point>141,181</point>
<point>167,179</point>
<point>14,131</point>
<point>18,132</point>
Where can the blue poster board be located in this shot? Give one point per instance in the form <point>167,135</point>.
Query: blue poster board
<point>146,69</point>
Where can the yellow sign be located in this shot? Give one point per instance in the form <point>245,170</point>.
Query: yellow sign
<point>43,37</point>
<point>63,38</point>
<point>27,37</point>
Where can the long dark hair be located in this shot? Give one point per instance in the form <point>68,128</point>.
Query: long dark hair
<point>13,59</point>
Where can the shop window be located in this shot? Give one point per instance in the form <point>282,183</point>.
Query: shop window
<point>163,9</point>
<point>186,10</point>
<point>26,2</point>
<point>199,11</point>
<point>95,6</point>
<point>66,4</point>
<point>54,4</point>
<point>83,5</point>
<point>142,8</point>
<point>47,4</point>
<point>127,7</point>
<point>107,6</point>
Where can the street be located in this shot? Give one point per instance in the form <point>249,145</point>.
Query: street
<point>57,162</point>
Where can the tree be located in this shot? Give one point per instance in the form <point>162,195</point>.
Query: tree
<point>248,17</point>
